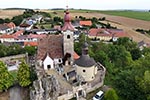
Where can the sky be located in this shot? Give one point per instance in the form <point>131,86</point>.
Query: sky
<point>77,4</point>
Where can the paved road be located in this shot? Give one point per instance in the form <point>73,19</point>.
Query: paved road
<point>15,93</point>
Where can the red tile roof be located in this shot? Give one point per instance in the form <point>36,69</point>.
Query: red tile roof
<point>107,32</point>
<point>37,35</point>
<point>67,25</point>
<point>121,35</point>
<point>75,56</point>
<point>30,44</point>
<point>11,25</point>
<point>57,27</point>
<point>24,25</point>
<point>18,33</point>
<point>51,44</point>
<point>6,36</point>
<point>86,23</point>
<point>95,31</point>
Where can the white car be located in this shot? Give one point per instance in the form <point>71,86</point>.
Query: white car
<point>99,95</point>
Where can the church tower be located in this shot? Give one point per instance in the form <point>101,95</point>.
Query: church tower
<point>68,40</point>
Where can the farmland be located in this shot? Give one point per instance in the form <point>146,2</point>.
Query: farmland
<point>131,14</point>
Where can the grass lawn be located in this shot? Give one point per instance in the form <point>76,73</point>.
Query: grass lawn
<point>131,14</point>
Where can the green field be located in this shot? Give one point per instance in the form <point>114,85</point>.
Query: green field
<point>131,14</point>
<point>125,13</point>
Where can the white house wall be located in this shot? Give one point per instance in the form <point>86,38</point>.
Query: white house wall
<point>48,61</point>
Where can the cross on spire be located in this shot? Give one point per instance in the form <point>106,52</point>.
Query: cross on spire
<point>67,4</point>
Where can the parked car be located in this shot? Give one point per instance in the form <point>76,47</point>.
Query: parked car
<point>99,95</point>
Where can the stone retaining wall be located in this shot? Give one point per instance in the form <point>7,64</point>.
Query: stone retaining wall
<point>13,57</point>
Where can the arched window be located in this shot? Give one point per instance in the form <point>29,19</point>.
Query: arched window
<point>68,36</point>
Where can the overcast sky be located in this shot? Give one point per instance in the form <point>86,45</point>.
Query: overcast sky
<point>78,4</point>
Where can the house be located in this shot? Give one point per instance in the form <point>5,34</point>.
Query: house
<point>31,43</point>
<point>106,34</point>
<point>25,27</point>
<point>7,28</point>
<point>76,35</point>
<point>86,23</point>
<point>4,29</point>
<point>7,38</point>
<point>99,34</point>
<point>18,33</point>
<point>30,21</point>
<point>12,27</point>
<point>37,18</point>
<point>58,27</point>
<point>117,33</point>
<point>142,44</point>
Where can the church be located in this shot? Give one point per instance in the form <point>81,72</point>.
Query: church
<point>77,75</point>
<point>54,50</point>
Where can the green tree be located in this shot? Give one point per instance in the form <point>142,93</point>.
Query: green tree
<point>111,95</point>
<point>1,21</point>
<point>31,50</point>
<point>3,50</point>
<point>136,53</point>
<point>145,84</point>
<point>119,56</point>
<point>101,57</point>
<point>93,26</point>
<point>6,79</point>
<point>7,20</point>
<point>33,75</point>
<point>17,19</point>
<point>23,75</point>
<point>146,51</point>
<point>127,43</point>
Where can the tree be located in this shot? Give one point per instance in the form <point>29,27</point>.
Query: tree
<point>6,79</point>
<point>31,50</point>
<point>136,53</point>
<point>23,74</point>
<point>101,57</point>
<point>1,21</point>
<point>7,20</point>
<point>127,43</point>
<point>3,50</point>
<point>93,26</point>
<point>145,84</point>
<point>111,95</point>
<point>33,75</point>
<point>17,19</point>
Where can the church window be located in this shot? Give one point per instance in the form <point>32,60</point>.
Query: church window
<point>48,66</point>
<point>68,36</point>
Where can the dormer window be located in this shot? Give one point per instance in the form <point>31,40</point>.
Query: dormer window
<point>68,36</point>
